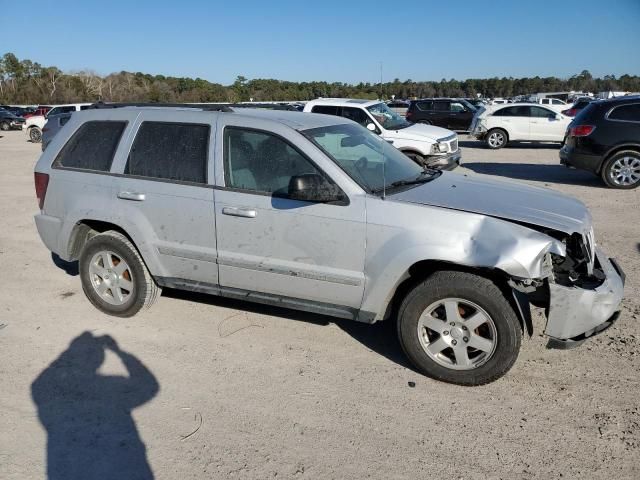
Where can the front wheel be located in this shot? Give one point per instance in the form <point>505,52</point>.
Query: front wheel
<point>496,138</point>
<point>35,134</point>
<point>459,328</point>
<point>114,277</point>
<point>622,170</point>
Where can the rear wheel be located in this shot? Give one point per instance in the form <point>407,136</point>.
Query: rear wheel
<point>459,328</point>
<point>35,134</point>
<point>622,170</point>
<point>496,138</point>
<point>4,126</point>
<point>114,277</point>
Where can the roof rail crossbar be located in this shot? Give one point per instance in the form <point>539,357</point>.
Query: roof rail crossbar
<point>212,107</point>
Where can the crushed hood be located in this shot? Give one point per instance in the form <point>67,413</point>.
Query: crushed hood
<point>502,199</point>
<point>419,132</point>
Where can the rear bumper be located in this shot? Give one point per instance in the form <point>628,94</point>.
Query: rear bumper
<point>445,162</point>
<point>49,230</point>
<point>577,313</point>
<point>583,161</point>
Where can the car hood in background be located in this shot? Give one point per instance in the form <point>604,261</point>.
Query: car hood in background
<point>419,132</point>
<point>502,199</point>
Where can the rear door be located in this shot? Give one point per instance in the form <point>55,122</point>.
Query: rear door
<point>163,192</point>
<point>545,125</point>
<point>271,244</point>
<point>515,120</point>
<point>440,114</point>
<point>459,116</point>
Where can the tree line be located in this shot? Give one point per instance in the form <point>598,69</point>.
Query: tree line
<point>27,82</point>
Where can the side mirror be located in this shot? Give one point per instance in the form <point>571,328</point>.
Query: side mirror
<point>312,187</point>
<point>558,116</point>
<point>371,127</point>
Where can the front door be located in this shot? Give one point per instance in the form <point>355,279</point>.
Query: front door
<point>545,125</point>
<point>271,244</point>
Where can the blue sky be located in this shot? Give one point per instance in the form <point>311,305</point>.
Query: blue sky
<point>328,40</point>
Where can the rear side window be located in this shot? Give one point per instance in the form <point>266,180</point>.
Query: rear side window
<point>326,109</point>
<point>441,106</point>
<point>92,146</point>
<point>520,111</point>
<point>627,113</point>
<point>170,151</point>
<point>424,106</point>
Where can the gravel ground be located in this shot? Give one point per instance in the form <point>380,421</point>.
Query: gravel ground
<point>219,388</point>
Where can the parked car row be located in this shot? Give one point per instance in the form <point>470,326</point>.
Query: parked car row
<point>10,121</point>
<point>318,213</point>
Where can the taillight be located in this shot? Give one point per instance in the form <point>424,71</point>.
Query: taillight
<point>571,112</point>
<point>581,130</point>
<point>42,181</point>
<point>408,115</point>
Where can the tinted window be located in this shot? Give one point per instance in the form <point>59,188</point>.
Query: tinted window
<point>357,115</point>
<point>629,113</point>
<point>425,105</point>
<point>520,111</point>
<point>172,151</point>
<point>261,162</point>
<point>441,106</point>
<point>456,107</point>
<point>326,109</point>
<point>540,112</point>
<point>557,102</point>
<point>92,147</point>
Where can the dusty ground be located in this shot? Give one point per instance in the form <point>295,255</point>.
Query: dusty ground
<point>275,393</point>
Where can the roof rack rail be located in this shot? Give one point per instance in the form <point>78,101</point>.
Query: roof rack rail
<point>212,107</point>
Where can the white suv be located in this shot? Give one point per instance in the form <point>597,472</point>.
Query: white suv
<point>425,144</point>
<point>528,122</point>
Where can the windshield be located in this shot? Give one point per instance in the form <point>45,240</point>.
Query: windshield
<point>364,156</point>
<point>386,117</point>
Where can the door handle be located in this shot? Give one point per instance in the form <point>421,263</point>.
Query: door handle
<point>239,212</point>
<point>135,196</point>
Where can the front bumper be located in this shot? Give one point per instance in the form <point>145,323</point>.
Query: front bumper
<point>448,161</point>
<point>578,313</point>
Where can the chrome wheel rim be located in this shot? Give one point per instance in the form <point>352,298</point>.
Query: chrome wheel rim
<point>457,334</point>
<point>111,277</point>
<point>496,139</point>
<point>625,171</point>
<point>35,135</point>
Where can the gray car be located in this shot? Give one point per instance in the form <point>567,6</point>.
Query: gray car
<point>316,213</point>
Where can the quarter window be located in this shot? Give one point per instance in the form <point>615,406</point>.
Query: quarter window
<point>261,162</point>
<point>170,151</point>
<point>92,146</point>
<point>628,113</point>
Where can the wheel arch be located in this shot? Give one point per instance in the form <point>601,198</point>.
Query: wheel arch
<point>617,149</point>
<point>422,269</point>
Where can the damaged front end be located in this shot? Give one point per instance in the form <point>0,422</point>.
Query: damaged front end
<point>581,293</point>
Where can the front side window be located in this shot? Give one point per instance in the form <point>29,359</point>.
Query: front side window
<point>369,160</point>
<point>170,151</point>
<point>539,112</point>
<point>92,146</point>
<point>456,107</point>
<point>386,117</point>
<point>261,162</point>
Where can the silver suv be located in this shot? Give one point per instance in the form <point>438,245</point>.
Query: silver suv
<point>316,213</point>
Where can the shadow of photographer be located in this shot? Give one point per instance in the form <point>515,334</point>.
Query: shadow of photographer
<point>91,433</point>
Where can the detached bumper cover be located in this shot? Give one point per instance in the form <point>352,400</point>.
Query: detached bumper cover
<point>577,313</point>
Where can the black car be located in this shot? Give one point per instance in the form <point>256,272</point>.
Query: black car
<point>450,113</point>
<point>604,138</point>
<point>578,105</point>
<point>10,121</point>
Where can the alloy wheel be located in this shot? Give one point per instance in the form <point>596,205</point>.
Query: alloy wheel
<point>625,171</point>
<point>111,277</point>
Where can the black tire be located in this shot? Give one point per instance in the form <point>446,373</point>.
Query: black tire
<point>35,134</point>
<point>425,122</point>
<point>416,157</point>
<point>496,138</point>
<point>610,167</point>
<point>145,290</point>
<point>464,287</point>
<point>4,126</point>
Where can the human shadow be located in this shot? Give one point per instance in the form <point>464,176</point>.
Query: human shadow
<point>70,268</point>
<point>536,172</point>
<point>90,431</point>
<point>380,337</point>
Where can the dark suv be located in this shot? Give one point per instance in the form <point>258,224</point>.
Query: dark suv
<point>451,113</point>
<point>604,138</point>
